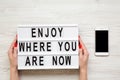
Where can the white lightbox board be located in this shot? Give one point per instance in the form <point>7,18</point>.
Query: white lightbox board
<point>48,47</point>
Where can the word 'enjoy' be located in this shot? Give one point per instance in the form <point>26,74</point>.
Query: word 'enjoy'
<point>46,32</point>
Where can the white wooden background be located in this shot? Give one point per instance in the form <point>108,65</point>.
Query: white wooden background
<point>89,14</point>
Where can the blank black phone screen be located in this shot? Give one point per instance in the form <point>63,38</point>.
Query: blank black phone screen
<point>101,41</point>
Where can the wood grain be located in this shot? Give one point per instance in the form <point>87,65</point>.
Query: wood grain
<point>89,14</point>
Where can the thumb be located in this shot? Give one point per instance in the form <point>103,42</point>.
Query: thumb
<point>15,52</point>
<point>80,52</point>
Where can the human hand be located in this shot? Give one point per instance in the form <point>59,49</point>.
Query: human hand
<point>12,54</point>
<point>84,55</point>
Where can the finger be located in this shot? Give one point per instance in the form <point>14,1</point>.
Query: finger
<point>15,44</point>
<point>14,41</point>
<point>15,55</point>
<point>12,46</point>
<point>86,52</point>
<point>80,46</point>
<point>81,53</point>
<point>84,48</point>
<point>83,45</point>
<point>15,52</point>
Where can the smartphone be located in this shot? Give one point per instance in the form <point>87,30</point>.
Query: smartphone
<point>101,42</point>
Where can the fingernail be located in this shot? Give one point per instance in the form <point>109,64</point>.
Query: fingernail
<point>80,46</point>
<point>15,44</point>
